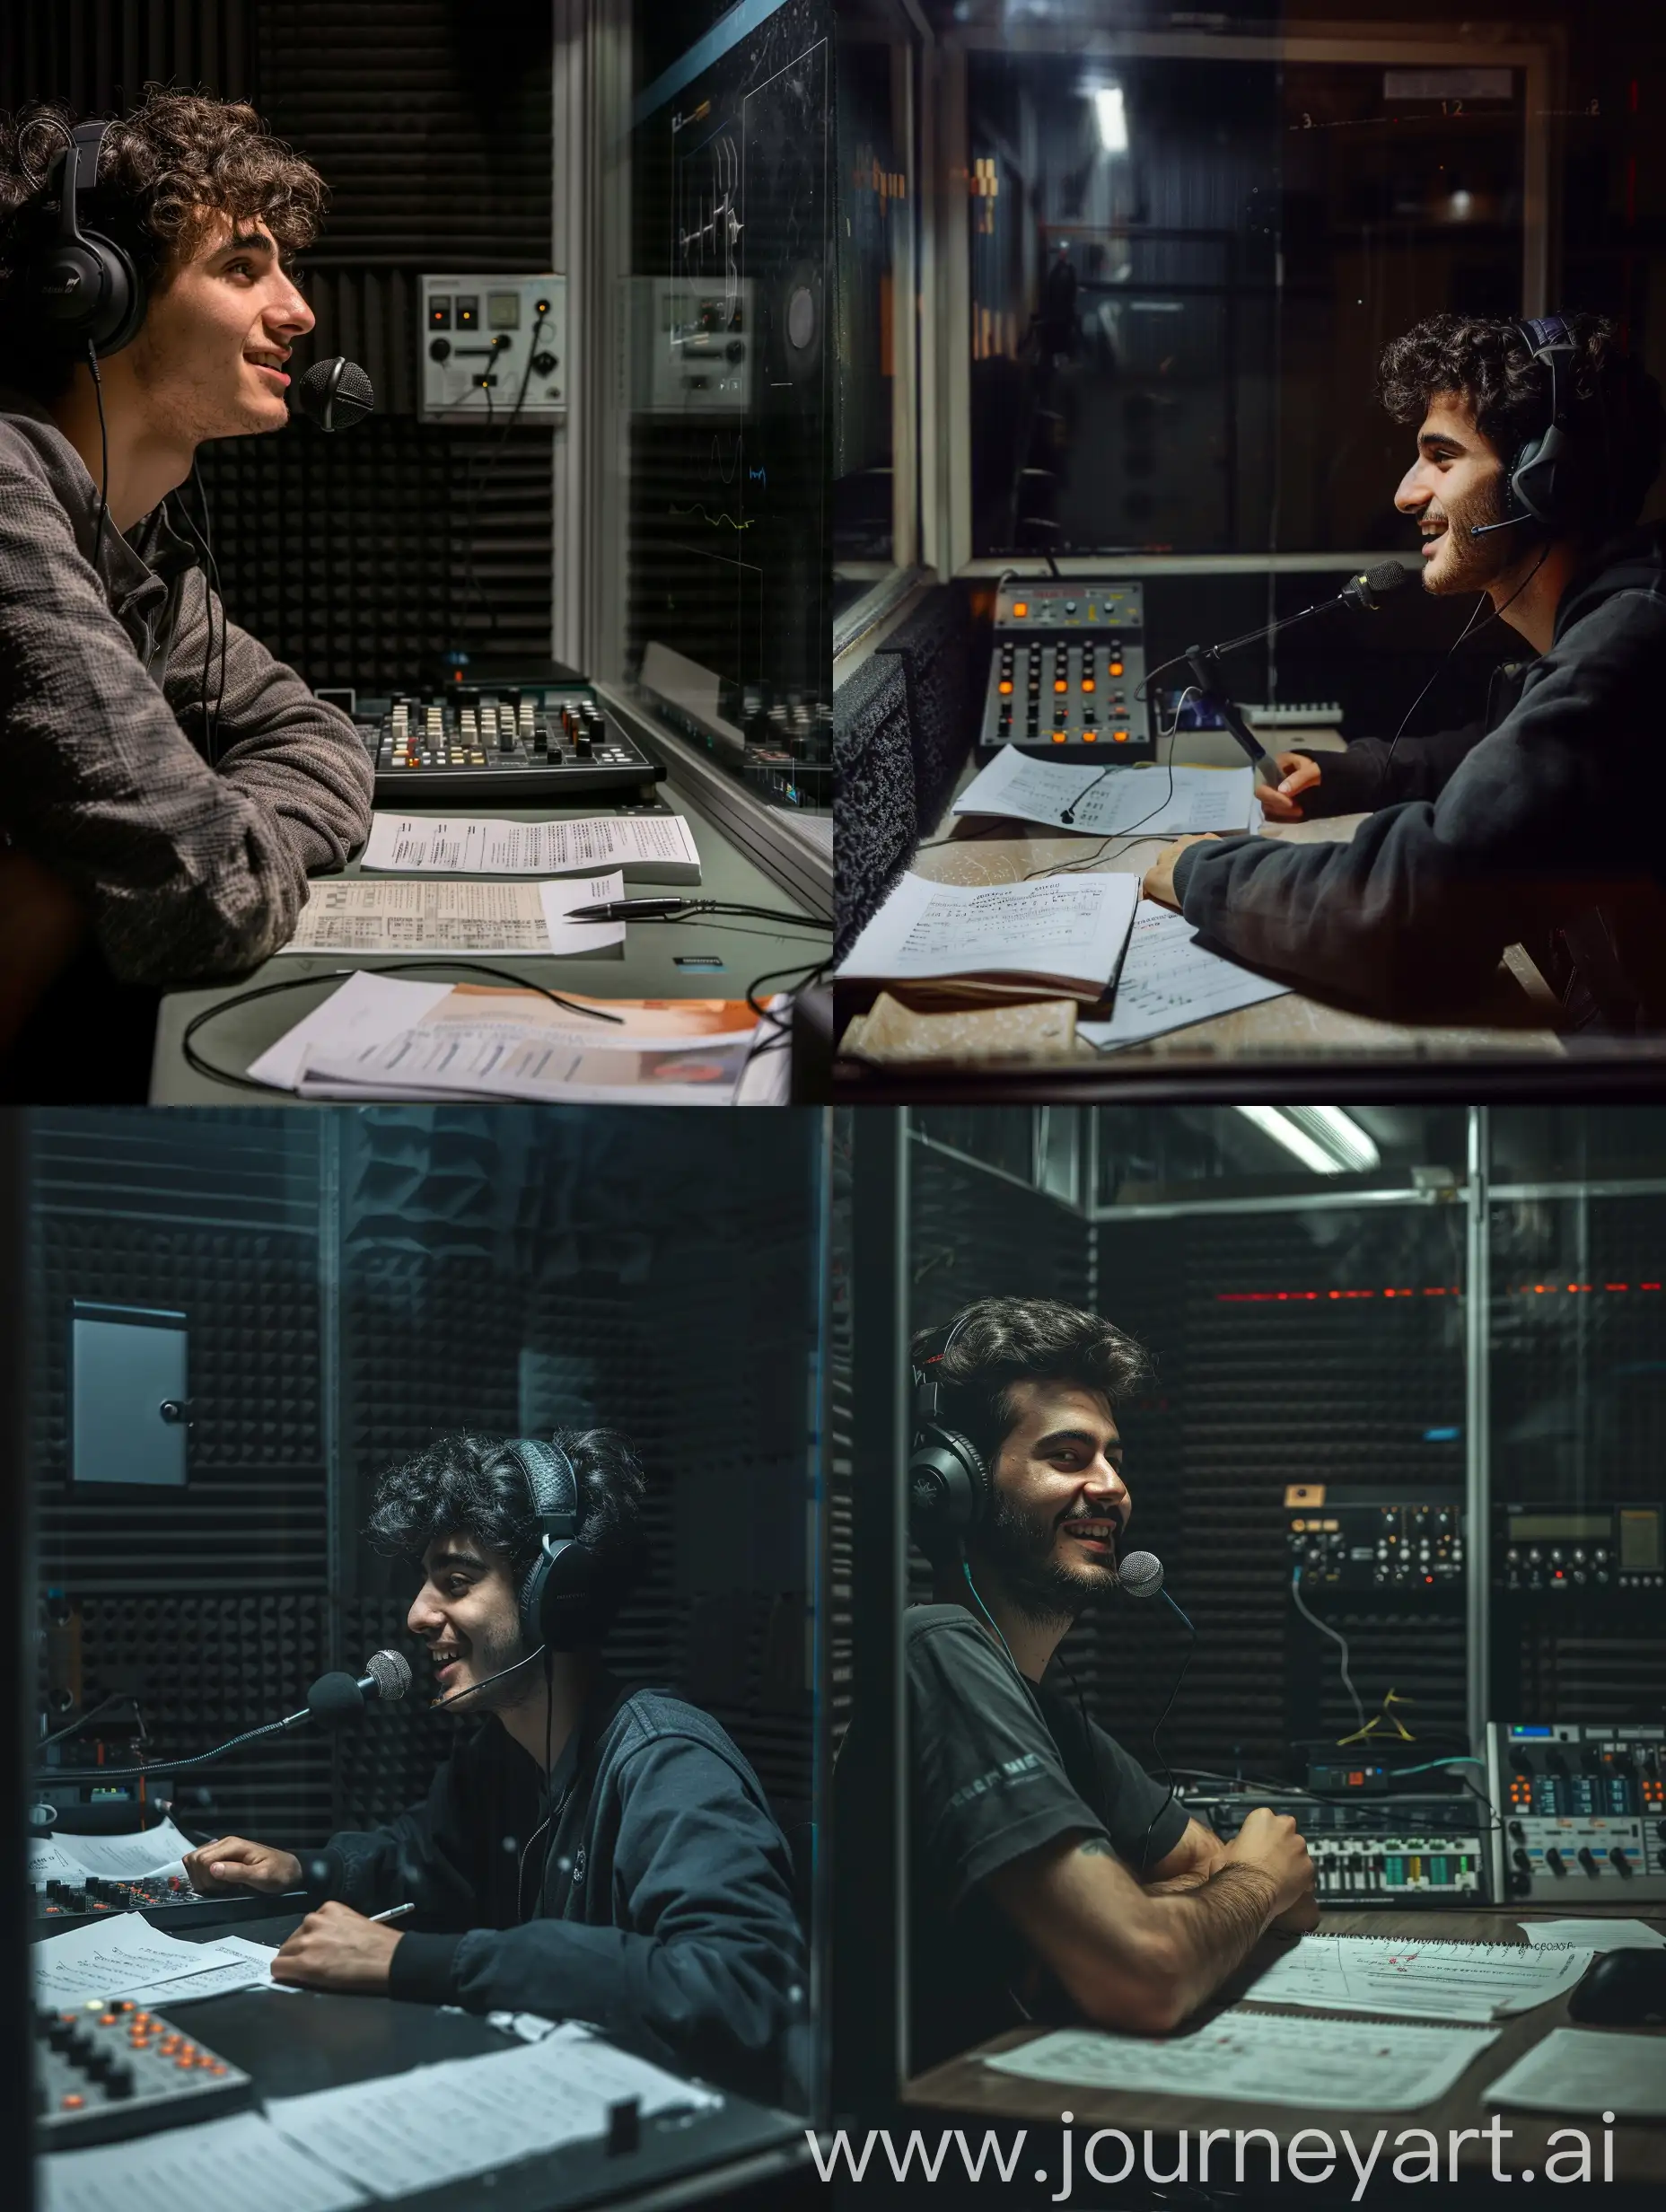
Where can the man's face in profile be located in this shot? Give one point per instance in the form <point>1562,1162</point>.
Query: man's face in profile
<point>1059,1501</point>
<point>210,356</point>
<point>1456,483</point>
<point>466,1614</point>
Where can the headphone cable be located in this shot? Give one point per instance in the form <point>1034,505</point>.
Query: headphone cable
<point>98,393</point>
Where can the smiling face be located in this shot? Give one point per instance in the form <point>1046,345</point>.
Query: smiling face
<point>466,1614</point>
<point>209,359</point>
<point>1457,482</point>
<point>1060,1502</point>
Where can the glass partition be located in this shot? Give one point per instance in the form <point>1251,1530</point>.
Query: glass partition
<point>724,393</point>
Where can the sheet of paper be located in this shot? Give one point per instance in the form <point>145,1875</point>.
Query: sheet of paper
<point>1114,802</point>
<point>241,2161</point>
<point>349,913</point>
<point>1169,981</point>
<point>442,2123</point>
<point>125,1956</point>
<point>366,1008</point>
<point>647,849</point>
<point>1596,1934</point>
<point>1580,2070</point>
<point>504,1059</point>
<point>117,1858</point>
<point>234,1963</point>
<point>1338,2066</point>
<point>1074,925</point>
<point>1428,1981</point>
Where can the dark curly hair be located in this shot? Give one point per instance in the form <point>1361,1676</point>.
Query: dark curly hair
<point>1617,421</point>
<point>468,1485</point>
<point>1001,1341</point>
<point>165,174</point>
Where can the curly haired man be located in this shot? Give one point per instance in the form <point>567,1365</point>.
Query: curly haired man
<point>1540,823</point>
<point>169,783</point>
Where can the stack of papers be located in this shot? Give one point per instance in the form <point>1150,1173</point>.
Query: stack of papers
<point>125,1956</point>
<point>417,2130</point>
<point>348,914</point>
<point>1426,1981</point>
<point>1169,981</point>
<point>242,2161</point>
<point>1591,1933</point>
<point>159,1851</point>
<point>646,848</point>
<point>1336,2065</point>
<point>1151,802</point>
<point>385,1037</point>
<point>1060,937</point>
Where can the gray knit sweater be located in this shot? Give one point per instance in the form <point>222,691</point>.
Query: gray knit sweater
<point>191,872</point>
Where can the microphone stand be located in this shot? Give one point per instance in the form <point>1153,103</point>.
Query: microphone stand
<point>1205,663</point>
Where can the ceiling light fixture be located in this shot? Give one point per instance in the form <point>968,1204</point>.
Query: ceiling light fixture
<point>1322,1138</point>
<point>1113,120</point>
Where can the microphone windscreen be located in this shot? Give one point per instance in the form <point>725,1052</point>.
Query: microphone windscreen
<point>335,1697</point>
<point>392,1672</point>
<point>1386,576</point>
<point>1140,1573</point>
<point>334,394</point>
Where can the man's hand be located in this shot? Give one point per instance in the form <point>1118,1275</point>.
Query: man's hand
<point>336,1948</point>
<point>1301,1918</point>
<point>1282,801</point>
<point>1158,879</point>
<point>233,1862</point>
<point>1269,1842</point>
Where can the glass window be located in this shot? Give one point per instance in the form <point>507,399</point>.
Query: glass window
<point>724,363</point>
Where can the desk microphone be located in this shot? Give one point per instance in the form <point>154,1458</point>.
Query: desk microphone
<point>336,1697</point>
<point>334,394</point>
<point>1140,1573</point>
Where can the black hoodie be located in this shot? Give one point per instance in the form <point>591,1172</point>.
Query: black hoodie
<point>1538,825</point>
<point>659,1911</point>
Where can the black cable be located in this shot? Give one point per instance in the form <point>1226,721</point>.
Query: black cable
<point>1161,1718</point>
<point>199,1065</point>
<point>56,1775</point>
<point>1469,628</point>
<point>689,906</point>
<point>98,393</point>
<point>91,1713</point>
<point>488,467</point>
<point>209,569</point>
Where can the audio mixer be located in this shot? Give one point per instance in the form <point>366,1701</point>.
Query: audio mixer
<point>104,2071</point>
<point>167,1901</point>
<point>1348,1538</point>
<point>1377,1851</point>
<point>1065,673</point>
<point>508,745</point>
<point>1583,1807</point>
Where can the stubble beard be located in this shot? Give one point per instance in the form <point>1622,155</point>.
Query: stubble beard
<point>1019,1547</point>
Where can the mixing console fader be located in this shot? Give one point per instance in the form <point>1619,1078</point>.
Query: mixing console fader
<point>1065,673</point>
<point>532,745</point>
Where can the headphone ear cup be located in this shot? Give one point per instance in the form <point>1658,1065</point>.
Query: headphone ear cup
<point>566,1616</point>
<point>125,302</point>
<point>88,292</point>
<point>948,1486</point>
<point>1538,480</point>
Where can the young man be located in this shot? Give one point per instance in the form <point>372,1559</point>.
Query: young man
<point>1049,1874</point>
<point>1536,824</point>
<point>582,1853</point>
<point>162,850</point>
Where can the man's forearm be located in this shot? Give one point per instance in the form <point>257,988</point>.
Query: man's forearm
<point>1213,1928</point>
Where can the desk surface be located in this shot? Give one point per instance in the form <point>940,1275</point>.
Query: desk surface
<point>1511,1021</point>
<point>292,2042</point>
<point>644,967</point>
<point>965,2085</point>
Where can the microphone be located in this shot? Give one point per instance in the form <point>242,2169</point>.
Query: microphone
<point>336,1697</point>
<point>1140,1573</point>
<point>1369,591</point>
<point>1511,521</point>
<point>334,394</point>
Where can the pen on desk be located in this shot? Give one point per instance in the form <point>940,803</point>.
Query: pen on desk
<point>394,1912</point>
<point>636,910</point>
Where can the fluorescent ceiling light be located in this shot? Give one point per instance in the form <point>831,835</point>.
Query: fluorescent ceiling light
<point>1113,121</point>
<point>1322,1138</point>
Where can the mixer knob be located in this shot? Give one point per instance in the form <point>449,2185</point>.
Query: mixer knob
<point>1587,1859</point>
<point>1554,1860</point>
<point>119,2078</point>
<point>1618,1858</point>
<point>506,736</point>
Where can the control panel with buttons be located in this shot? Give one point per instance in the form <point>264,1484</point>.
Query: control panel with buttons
<point>1595,1547</point>
<point>493,347</point>
<point>1067,672</point>
<point>691,346</point>
<point>1582,1807</point>
<point>104,2071</point>
<point>167,1901</point>
<point>522,745</point>
<point>1349,1539</point>
<point>1406,1850</point>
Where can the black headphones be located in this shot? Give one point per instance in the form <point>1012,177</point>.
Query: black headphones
<point>555,1593</point>
<point>83,288</point>
<point>948,1478</point>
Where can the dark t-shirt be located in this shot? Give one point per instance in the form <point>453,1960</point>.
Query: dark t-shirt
<point>988,1782</point>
